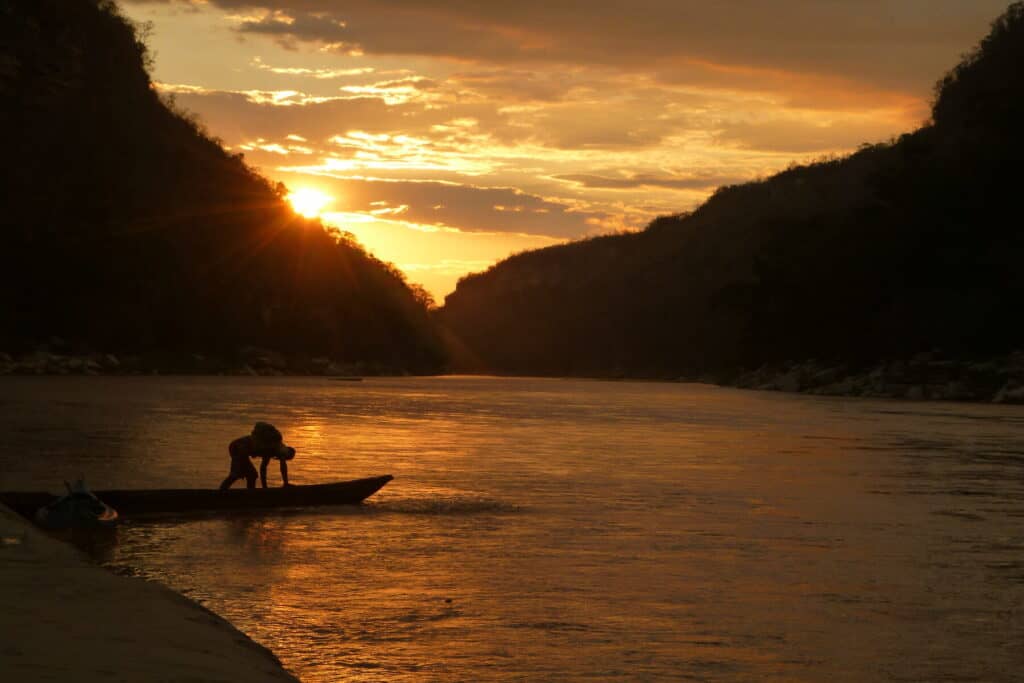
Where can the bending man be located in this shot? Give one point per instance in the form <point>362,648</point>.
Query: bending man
<point>266,443</point>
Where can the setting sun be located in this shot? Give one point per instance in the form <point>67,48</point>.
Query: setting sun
<point>309,203</point>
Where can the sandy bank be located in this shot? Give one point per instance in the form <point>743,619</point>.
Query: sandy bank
<point>65,619</point>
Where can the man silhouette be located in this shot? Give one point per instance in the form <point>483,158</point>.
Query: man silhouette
<point>263,442</point>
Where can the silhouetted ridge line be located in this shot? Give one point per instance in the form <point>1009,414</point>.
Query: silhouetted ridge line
<point>902,248</point>
<point>129,230</point>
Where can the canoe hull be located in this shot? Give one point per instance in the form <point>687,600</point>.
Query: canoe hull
<point>183,501</point>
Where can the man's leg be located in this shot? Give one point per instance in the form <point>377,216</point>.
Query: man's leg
<point>250,475</point>
<point>226,484</point>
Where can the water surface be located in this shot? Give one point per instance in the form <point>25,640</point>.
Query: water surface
<point>569,530</point>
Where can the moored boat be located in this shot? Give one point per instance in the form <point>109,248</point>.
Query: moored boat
<point>184,501</point>
<point>78,509</point>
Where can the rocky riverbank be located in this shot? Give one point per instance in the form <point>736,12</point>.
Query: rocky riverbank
<point>928,377</point>
<point>246,361</point>
<point>924,377</point>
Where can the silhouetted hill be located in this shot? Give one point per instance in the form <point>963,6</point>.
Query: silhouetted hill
<point>901,248</point>
<point>127,229</point>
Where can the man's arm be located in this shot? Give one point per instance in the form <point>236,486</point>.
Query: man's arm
<point>263,471</point>
<point>284,473</point>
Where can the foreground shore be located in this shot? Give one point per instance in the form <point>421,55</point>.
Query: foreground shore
<point>65,619</point>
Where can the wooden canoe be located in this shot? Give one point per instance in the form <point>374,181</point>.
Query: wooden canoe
<point>184,501</point>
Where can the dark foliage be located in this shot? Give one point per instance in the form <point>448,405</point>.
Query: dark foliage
<point>127,228</point>
<point>902,247</point>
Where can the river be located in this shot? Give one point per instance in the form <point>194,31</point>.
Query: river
<point>564,530</point>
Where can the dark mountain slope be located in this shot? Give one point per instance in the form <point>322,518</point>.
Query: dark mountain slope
<point>900,248</point>
<point>126,228</point>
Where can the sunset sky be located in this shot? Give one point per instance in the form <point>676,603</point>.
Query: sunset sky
<point>452,134</point>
